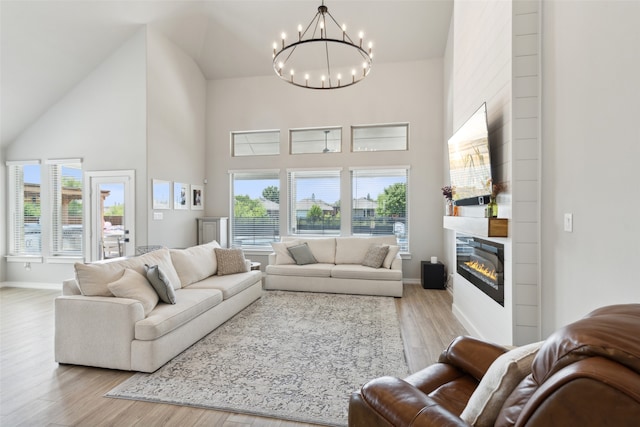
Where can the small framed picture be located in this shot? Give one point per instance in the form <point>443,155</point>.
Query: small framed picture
<point>180,196</point>
<point>161,194</point>
<point>197,197</point>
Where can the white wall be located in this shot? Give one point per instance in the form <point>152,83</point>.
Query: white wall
<point>176,103</point>
<point>590,152</point>
<point>3,217</point>
<point>103,121</point>
<point>405,92</point>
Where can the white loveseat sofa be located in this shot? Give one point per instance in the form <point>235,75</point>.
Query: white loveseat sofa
<point>95,328</point>
<point>338,269</point>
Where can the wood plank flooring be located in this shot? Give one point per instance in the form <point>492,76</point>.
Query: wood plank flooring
<point>36,391</point>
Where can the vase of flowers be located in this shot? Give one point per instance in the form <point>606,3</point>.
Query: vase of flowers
<point>491,211</point>
<point>447,192</point>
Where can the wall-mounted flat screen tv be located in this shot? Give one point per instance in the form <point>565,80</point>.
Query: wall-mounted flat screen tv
<point>470,161</point>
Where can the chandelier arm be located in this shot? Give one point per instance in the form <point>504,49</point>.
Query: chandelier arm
<point>326,48</point>
<point>344,33</point>
<point>315,18</point>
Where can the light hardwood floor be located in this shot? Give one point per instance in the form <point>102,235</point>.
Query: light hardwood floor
<point>36,391</point>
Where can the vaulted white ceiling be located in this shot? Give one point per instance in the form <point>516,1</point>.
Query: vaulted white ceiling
<point>49,46</point>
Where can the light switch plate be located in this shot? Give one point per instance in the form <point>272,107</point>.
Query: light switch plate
<point>568,222</point>
<point>157,215</point>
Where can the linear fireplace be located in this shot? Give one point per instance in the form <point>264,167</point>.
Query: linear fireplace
<point>481,262</point>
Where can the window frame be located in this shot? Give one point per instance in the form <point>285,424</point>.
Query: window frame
<point>56,217</point>
<point>402,234</point>
<point>262,174</point>
<point>16,207</point>
<point>355,128</point>
<point>234,150</point>
<point>338,147</point>
<point>292,212</point>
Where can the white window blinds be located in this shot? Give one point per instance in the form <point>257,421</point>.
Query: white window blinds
<point>25,234</point>
<point>65,191</point>
<point>255,197</point>
<point>314,201</point>
<point>380,203</point>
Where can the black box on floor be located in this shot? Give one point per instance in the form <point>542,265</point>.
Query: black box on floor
<point>433,276</point>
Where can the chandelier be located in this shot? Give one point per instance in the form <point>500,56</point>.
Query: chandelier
<point>323,56</point>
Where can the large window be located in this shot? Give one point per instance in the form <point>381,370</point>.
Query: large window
<point>256,208</point>
<point>379,203</point>
<point>314,201</point>
<point>65,195</point>
<point>25,233</point>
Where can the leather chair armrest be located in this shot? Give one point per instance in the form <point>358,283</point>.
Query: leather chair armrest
<point>471,355</point>
<point>389,401</point>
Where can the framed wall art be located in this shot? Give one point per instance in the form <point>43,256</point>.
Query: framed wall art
<point>161,194</point>
<point>197,197</point>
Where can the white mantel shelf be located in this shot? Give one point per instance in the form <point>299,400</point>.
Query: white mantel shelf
<point>483,227</point>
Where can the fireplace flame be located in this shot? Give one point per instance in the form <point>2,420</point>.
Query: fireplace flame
<point>482,269</point>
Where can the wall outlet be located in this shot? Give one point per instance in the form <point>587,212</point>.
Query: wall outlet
<point>158,215</point>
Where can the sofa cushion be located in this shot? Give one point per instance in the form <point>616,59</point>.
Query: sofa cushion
<point>504,374</point>
<point>302,254</point>
<point>163,319</point>
<point>160,283</point>
<point>309,270</point>
<point>388,260</point>
<point>375,255</point>
<point>195,263</point>
<point>134,285</point>
<point>324,249</point>
<point>230,261</point>
<point>351,250</point>
<point>352,271</point>
<point>230,285</point>
<point>93,278</point>
<point>283,257</point>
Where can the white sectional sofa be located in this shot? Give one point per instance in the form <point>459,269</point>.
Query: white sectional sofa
<point>95,328</point>
<point>338,268</point>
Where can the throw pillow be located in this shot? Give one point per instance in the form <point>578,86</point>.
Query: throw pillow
<point>230,261</point>
<point>135,286</point>
<point>283,257</point>
<point>388,260</point>
<point>160,284</point>
<point>504,374</point>
<point>195,263</point>
<point>302,254</point>
<point>375,256</point>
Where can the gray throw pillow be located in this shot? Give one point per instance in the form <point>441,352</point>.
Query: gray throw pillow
<point>160,283</point>
<point>230,261</point>
<point>375,255</point>
<point>302,254</point>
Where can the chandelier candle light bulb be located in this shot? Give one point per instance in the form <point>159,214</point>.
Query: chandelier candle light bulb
<point>339,54</point>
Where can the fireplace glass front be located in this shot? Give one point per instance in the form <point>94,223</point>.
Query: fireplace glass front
<point>481,262</point>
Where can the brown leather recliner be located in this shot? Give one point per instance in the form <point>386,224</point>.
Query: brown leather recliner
<point>585,374</point>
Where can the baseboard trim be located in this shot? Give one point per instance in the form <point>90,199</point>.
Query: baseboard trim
<point>32,285</point>
<point>407,281</point>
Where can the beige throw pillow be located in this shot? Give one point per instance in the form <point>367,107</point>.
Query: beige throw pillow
<point>375,256</point>
<point>504,374</point>
<point>391,255</point>
<point>135,286</point>
<point>195,263</point>
<point>283,257</point>
<point>230,261</point>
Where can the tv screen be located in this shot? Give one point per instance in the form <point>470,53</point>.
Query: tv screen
<point>470,161</point>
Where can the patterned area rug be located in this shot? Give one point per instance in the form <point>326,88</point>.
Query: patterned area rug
<point>290,355</point>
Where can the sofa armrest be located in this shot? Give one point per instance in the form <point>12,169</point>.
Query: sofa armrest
<point>70,287</point>
<point>95,331</point>
<point>272,258</point>
<point>391,401</point>
<point>471,355</point>
<point>396,264</point>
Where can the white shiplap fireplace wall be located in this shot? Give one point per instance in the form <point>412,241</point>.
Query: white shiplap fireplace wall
<point>496,59</point>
